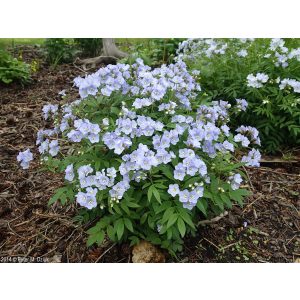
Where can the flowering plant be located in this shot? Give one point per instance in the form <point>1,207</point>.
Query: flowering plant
<point>142,157</point>
<point>264,71</point>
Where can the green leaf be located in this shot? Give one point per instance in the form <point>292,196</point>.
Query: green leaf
<point>146,185</point>
<point>132,204</point>
<point>134,240</point>
<point>93,230</point>
<point>149,193</point>
<point>97,237</point>
<point>238,195</point>
<point>163,206</point>
<point>181,227</point>
<point>57,195</point>
<point>144,218</point>
<point>173,218</point>
<point>214,183</point>
<point>111,232</point>
<point>125,207</point>
<point>100,237</point>
<point>218,200</point>
<point>186,217</point>
<point>226,200</point>
<point>119,227</point>
<point>92,239</point>
<point>207,194</point>
<point>128,224</point>
<point>167,171</point>
<point>156,194</point>
<point>201,206</point>
<point>167,214</point>
<point>114,110</point>
<point>160,186</point>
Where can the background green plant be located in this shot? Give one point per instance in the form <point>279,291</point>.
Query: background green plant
<point>274,112</point>
<point>60,50</point>
<point>13,69</point>
<point>153,51</point>
<point>90,47</point>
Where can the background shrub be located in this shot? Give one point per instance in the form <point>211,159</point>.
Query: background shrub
<point>12,69</point>
<point>225,65</point>
<point>89,47</point>
<point>60,50</point>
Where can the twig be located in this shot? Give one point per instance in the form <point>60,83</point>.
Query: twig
<point>252,203</point>
<point>51,216</point>
<point>291,239</point>
<point>212,244</point>
<point>82,70</point>
<point>105,252</point>
<point>230,245</point>
<point>263,261</point>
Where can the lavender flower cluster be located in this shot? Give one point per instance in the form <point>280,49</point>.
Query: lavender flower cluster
<point>177,134</point>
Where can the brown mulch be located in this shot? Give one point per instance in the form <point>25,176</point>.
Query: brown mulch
<point>266,229</point>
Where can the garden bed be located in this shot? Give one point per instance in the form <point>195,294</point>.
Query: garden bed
<point>266,229</point>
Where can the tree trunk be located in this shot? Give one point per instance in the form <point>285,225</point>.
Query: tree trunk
<point>110,55</point>
<point>110,49</point>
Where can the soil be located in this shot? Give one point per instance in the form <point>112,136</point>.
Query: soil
<point>265,229</point>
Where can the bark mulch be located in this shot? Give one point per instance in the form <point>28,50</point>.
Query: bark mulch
<point>266,229</point>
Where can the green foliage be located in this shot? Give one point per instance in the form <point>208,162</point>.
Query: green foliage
<point>274,112</point>
<point>90,47</point>
<point>155,51</point>
<point>60,50</point>
<point>12,69</point>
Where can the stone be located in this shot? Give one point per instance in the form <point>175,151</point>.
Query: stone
<point>145,252</point>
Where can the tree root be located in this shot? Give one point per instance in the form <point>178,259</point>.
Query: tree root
<point>110,54</point>
<point>91,63</point>
<point>213,220</point>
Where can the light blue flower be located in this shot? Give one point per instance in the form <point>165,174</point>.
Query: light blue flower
<point>53,147</point>
<point>83,171</point>
<point>173,190</point>
<point>179,172</point>
<point>24,158</point>
<point>69,173</point>
<point>235,181</point>
<point>242,139</point>
<point>252,159</point>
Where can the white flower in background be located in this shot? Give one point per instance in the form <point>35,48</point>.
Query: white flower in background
<point>257,80</point>
<point>242,53</point>
<point>276,43</point>
<point>290,82</point>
